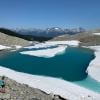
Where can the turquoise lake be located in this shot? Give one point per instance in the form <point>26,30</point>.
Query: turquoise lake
<point>70,65</point>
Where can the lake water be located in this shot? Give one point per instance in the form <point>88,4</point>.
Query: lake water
<point>70,65</point>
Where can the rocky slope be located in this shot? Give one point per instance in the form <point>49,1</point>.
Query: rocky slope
<point>16,91</point>
<point>8,40</point>
<point>86,39</point>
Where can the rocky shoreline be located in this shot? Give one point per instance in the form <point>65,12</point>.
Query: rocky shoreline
<point>86,39</point>
<point>12,42</point>
<point>17,91</point>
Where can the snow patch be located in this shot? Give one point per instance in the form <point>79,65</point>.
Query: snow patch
<point>18,46</point>
<point>2,47</point>
<point>70,43</point>
<point>96,33</point>
<point>94,66</point>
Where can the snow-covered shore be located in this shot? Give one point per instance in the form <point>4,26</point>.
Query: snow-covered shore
<point>53,43</point>
<point>46,53</point>
<point>2,47</point>
<point>96,33</point>
<point>71,42</point>
<point>51,85</point>
<point>50,52</point>
<point>94,66</point>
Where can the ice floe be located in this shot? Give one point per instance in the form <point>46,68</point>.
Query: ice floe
<point>47,53</point>
<point>50,52</point>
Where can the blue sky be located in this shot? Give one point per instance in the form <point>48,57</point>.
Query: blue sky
<point>48,13</point>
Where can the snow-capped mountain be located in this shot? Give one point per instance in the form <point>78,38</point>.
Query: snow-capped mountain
<point>50,32</point>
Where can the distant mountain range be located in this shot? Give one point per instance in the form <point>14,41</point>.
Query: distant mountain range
<point>49,32</point>
<point>41,34</point>
<point>24,35</point>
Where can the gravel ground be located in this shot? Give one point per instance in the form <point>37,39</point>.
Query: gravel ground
<point>11,40</point>
<point>86,39</point>
<point>16,91</point>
